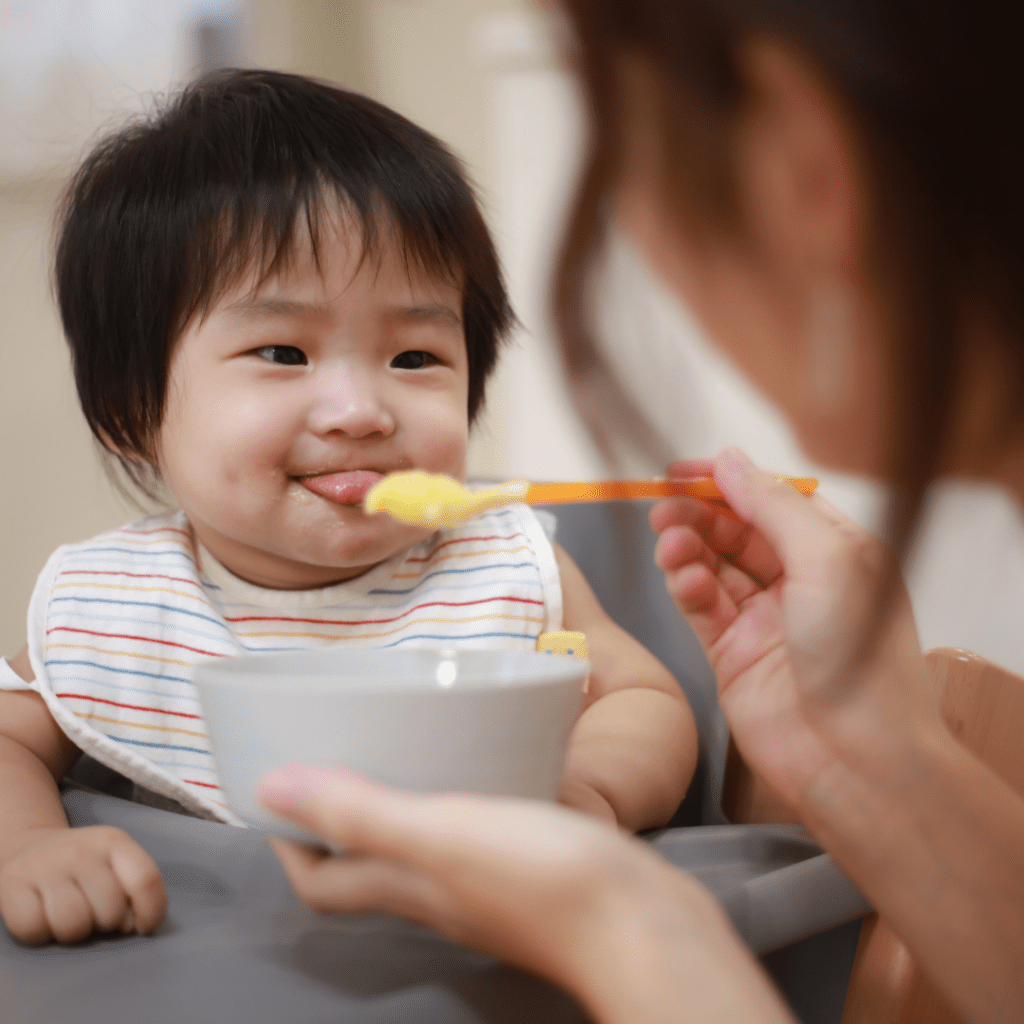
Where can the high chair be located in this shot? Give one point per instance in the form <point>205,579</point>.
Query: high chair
<point>983,706</point>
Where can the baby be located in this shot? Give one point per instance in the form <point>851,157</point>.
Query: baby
<point>275,292</point>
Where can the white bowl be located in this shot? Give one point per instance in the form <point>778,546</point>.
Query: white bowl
<point>492,722</point>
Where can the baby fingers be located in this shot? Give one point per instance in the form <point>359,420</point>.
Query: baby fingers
<point>21,906</point>
<point>107,900</point>
<point>41,900</point>
<point>69,916</point>
<point>139,878</point>
<point>67,883</point>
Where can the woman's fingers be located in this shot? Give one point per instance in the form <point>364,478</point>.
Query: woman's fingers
<point>355,884</point>
<point>737,541</point>
<point>439,835</point>
<point>683,469</point>
<point>708,589</point>
<point>682,511</point>
<point>778,526</point>
<point>794,527</point>
<point>346,809</point>
<point>699,594</point>
<point>680,546</point>
<point>438,861</point>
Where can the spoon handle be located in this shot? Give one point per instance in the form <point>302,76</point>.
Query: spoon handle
<point>625,490</point>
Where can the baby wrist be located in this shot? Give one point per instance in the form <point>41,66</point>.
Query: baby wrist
<point>13,841</point>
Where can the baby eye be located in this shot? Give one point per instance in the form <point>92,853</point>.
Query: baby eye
<point>285,355</point>
<point>415,360</point>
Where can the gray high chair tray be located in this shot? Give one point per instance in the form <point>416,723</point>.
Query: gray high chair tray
<point>238,946</point>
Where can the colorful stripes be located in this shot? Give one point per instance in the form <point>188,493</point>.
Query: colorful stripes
<point>143,639</point>
<point>130,575</point>
<point>130,707</point>
<point>394,618</point>
<point>421,579</point>
<point>129,614</point>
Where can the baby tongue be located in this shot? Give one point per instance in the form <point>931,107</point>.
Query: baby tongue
<point>344,488</point>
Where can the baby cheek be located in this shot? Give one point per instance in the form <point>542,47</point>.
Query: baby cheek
<point>444,446</point>
<point>255,447</point>
<point>237,474</point>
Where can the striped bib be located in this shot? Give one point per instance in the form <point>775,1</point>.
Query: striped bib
<point>116,624</point>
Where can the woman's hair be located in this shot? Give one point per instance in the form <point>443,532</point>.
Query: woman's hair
<point>933,91</point>
<point>166,215</point>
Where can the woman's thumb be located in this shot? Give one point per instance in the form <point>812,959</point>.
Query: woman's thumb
<point>787,518</point>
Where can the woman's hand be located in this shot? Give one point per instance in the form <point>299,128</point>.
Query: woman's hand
<point>539,886</point>
<point>522,880</point>
<point>65,883</point>
<point>782,600</point>
<point>829,699</point>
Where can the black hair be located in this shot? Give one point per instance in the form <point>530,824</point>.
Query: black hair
<point>166,214</point>
<point>932,90</point>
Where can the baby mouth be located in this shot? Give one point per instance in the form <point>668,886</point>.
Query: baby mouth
<point>347,488</point>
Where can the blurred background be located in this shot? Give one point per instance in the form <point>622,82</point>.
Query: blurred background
<point>485,76</point>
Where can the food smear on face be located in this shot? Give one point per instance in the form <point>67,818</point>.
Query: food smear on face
<point>422,499</point>
<point>299,494</point>
<point>346,488</point>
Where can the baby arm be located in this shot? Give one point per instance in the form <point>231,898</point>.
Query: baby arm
<point>633,749</point>
<point>57,882</point>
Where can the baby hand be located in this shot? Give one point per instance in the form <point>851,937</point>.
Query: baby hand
<point>65,883</point>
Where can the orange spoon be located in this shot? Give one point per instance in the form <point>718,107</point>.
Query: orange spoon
<point>428,499</point>
<point>628,490</point>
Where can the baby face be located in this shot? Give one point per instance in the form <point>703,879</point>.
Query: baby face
<point>287,402</point>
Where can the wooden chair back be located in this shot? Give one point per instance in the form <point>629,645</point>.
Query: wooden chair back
<point>983,705</point>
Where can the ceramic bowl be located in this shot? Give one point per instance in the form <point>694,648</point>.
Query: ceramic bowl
<point>492,722</point>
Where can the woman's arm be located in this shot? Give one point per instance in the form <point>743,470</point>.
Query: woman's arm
<point>539,886</point>
<point>633,750</point>
<point>936,842</point>
<point>850,734</point>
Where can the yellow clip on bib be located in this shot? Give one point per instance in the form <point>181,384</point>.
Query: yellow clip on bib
<point>566,642</point>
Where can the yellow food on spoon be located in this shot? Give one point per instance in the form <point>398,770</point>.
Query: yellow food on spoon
<point>436,500</point>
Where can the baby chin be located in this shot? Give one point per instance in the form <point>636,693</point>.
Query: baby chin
<point>332,534</point>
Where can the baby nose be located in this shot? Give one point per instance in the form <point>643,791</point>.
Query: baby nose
<point>349,403</point>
